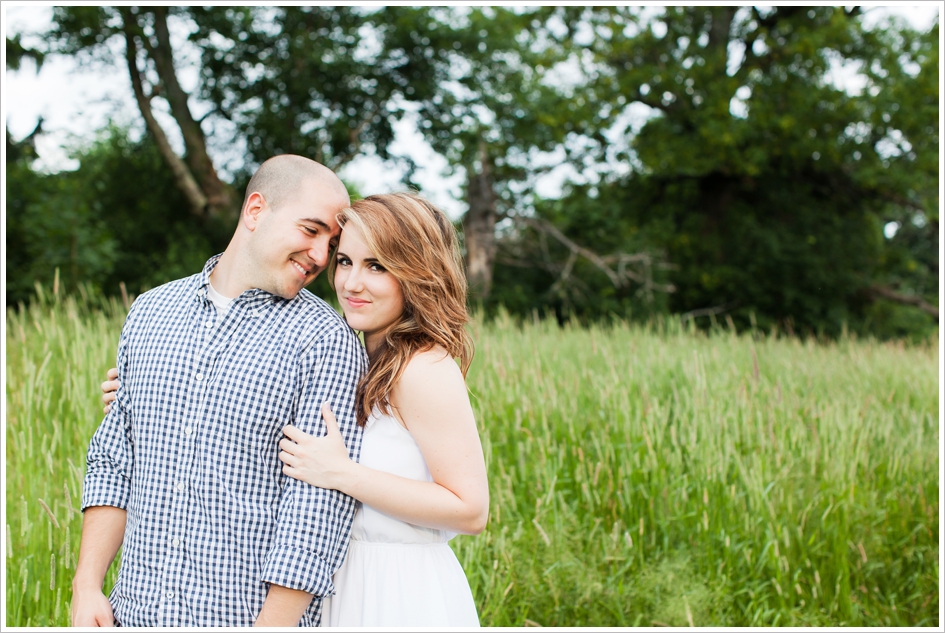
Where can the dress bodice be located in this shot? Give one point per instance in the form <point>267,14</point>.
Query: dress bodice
<point>397,574</point>
<point>387,446</point>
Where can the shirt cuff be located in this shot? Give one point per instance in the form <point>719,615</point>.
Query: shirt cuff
<point>106,489</point>
<point>296,568</point>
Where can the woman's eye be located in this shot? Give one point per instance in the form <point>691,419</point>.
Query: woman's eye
<point>378,268</point>
<point>344,261</point>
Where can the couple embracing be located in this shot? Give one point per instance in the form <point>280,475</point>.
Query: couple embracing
<point>257,465</point>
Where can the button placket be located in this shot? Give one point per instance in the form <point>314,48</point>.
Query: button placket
<point>174,554</point>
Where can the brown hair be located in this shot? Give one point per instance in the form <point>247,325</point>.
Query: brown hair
<point>417,244</point>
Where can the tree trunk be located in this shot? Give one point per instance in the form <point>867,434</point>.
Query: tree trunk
<point>182,176</point>
<point>220,197</point>
<point>479,227</point>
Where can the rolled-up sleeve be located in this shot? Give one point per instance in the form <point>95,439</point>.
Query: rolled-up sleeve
<point>314,524</point>
<point>110,459</point>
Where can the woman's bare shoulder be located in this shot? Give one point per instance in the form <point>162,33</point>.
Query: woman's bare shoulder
<point>430,370</point>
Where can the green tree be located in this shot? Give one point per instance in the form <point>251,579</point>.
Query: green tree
<point>767,184</point>
<point>324,82</point>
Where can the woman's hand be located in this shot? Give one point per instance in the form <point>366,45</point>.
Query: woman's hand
<point>109,387</point>
<point>319,461</point>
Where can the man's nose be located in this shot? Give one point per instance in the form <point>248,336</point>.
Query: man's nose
<point>319,252</point>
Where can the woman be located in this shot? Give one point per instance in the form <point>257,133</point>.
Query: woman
<point>421,476</point>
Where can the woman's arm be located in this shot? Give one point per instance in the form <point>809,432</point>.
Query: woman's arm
<point>432,401</point>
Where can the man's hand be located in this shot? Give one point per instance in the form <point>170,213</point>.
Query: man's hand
<point>283,607</point>
<point>90,607</point>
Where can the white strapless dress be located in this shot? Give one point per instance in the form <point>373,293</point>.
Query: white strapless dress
<point>396,573</point>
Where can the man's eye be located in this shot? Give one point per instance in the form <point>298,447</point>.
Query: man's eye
<point>310,230</point>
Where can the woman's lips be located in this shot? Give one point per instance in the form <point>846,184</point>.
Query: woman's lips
<point>356,303</point>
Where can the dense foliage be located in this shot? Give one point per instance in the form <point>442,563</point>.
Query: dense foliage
<point>720,169</point>
<point>116,219</point>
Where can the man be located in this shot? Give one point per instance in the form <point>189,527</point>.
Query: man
<point>183,472</point>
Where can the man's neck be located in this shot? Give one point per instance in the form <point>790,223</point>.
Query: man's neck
<point>225,279</point>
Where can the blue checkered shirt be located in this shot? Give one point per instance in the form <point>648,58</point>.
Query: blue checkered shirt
<point>190,451</point>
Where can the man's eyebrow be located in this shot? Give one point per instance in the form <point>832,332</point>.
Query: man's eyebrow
<point>318,222</point>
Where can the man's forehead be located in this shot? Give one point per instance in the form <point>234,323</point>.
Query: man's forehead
<point>325,222</point>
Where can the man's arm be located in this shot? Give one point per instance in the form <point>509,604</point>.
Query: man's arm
<point>313,525</point>
<point>103,528</point>
<point>283,607</point>
<point>105,494</point>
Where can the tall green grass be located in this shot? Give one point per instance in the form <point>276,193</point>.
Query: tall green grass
<point>56,353</point>
<point>639,475</point>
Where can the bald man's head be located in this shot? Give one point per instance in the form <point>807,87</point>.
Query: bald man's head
<point>283,177</point>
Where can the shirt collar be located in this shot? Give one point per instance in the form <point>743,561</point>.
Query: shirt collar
<point>204,280</point>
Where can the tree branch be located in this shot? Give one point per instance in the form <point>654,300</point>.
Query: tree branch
<point>620,278</point>
<point>719,309</point>
<point>354,138</point>
<point>884,292</point>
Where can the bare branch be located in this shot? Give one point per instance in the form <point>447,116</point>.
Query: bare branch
<point>620,278</point>
<point>719,309</point>
<point>558,285</point>
<point>594,258</point>
<point>911,300</point>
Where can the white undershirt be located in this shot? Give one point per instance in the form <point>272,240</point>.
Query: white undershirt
<point>222,303</point>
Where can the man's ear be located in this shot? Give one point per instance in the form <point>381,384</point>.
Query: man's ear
<point>255,205</point>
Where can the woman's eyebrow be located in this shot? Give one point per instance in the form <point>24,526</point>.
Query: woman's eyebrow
<point>369,260</point>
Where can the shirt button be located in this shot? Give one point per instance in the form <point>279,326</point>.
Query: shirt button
<point>208,324</point>
<point>175,542</point>
<point>169,594</point>
<point>198,376</point>
<point>188,431</point>
<point>180,487</point>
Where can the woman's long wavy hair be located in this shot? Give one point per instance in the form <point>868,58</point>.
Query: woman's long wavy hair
<point>417,244</point>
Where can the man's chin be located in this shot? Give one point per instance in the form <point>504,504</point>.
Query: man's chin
<point>290,288</point>
<point>288,294</point>
<point>292,292</point>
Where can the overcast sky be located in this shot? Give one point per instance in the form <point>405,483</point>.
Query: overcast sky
<point>75,101</point>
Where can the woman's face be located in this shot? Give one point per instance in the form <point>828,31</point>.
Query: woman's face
<point>369,295</point>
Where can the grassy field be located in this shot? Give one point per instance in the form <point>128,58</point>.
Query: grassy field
<point>639,475</point>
